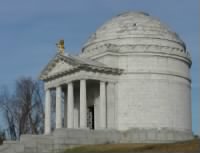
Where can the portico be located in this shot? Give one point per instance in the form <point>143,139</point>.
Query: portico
<point>70,115</point>
<point>81,88</point>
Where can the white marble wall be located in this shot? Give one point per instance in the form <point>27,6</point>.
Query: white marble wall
<point>153,92</point>
<point>154,101</point>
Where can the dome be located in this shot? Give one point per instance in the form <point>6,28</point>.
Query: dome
<point>132,28</point>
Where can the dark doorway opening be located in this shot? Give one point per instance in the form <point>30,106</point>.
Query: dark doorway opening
<point>90,117</point>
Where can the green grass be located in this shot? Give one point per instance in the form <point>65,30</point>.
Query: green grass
<point>183,147</point>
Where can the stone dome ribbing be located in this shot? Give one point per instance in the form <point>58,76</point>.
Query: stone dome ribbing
<point>132,28</point>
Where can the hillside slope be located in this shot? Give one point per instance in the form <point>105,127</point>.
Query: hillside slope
<point>183,147</point>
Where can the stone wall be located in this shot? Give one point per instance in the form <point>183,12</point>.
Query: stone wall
<point>65,138</point>
<point>154,92</point>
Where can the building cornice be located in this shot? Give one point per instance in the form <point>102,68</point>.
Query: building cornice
<point>142,49</point>
<point>135,48</point>
<point>76,66</point>
<point>79,75</point>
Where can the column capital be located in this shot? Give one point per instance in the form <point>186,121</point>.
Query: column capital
<point>102,82</point>
<point>57,86</point>
<point>83,79</point>
<point>47,89</point>
<point>70,83</point>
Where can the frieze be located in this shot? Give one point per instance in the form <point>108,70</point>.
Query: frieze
<point>61,80</point>
<point>139,47</point>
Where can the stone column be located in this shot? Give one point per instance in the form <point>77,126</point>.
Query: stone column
<point>70,106</point>
<point>58,107</point>
<point>83,104</point>
<point>65,109</point>
<point>47,125</point>
<point>111,105</point>
<point>102,105</point>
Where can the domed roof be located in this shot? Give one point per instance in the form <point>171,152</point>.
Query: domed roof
<point>132,25</point>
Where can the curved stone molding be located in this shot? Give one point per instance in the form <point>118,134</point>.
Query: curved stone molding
<point>136,48</point>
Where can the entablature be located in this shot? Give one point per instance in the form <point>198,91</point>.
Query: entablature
<point>80,75</point>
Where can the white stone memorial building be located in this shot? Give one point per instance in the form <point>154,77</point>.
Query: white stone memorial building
<point>130,84</point>
<point>133,72</point>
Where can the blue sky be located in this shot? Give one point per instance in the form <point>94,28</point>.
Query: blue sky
<point>29,30</point>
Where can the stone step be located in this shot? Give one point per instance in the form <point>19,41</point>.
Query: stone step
<point>38,143</point>
<point>14,146</point>
<point>3,148</point>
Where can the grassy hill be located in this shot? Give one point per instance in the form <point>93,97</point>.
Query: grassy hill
<point>182,147</point>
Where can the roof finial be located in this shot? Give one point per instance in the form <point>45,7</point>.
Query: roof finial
<point>61,47</point>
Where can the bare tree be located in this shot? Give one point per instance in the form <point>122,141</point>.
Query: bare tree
<point>6,106</point>
<point>23,110</point>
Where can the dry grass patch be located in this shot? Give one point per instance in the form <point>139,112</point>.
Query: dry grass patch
<point>183,147</point>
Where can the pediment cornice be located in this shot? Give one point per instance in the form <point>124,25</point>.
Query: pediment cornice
<point>64,64</point>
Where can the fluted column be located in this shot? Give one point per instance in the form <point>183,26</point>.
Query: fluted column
<point>58,107</point>
<point>70,106</point>
<point>102,104</point>
<point>47,125</point>
<point>83,104</point>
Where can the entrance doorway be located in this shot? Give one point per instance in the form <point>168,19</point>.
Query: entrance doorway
<point>90,117</point>
<point>93,104</point>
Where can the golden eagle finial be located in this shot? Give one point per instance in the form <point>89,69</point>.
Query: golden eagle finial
<point>61,47</point>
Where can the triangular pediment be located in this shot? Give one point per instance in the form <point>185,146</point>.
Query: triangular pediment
<point>64,64</point>
<point>58,65</point>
